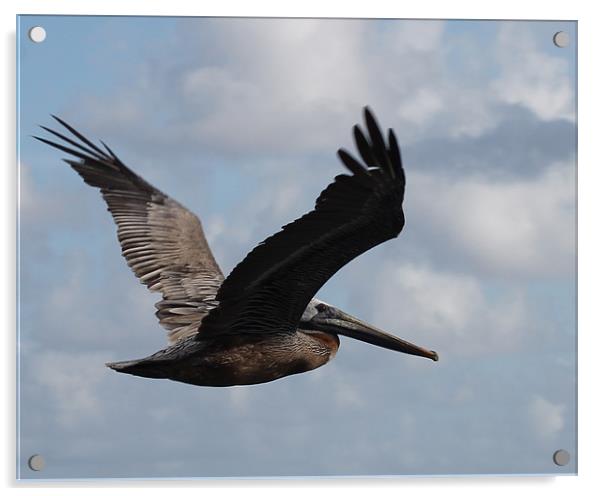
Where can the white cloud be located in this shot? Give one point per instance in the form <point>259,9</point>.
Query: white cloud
<point>26,194</point>
<point>289,85</point>
<point>112,312</point>
<point>71,381</point>
<point>240,400</point>
<point>449,312</point>
<point>214,227</point>
<point>347,395</point>
<point>425,104</point>
<point>520,226</point>
<point>260,74</point>
<point>34,204</point>
<point>421,36</point>
<point>547,418</point>
<point>284,191</point>
<point>531,77</point>
<point>463,395</point>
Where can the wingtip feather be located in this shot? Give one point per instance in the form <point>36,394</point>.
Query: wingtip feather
<point>351,163</point>
<point>363,146</point>
<point>395,152</point>
<point>379,147</point>
<point>77,134</point>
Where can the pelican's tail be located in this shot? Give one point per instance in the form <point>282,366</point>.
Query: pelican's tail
<point>121,366</point>
<point>142,368</point>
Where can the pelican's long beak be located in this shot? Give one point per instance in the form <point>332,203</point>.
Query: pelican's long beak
<point>338,322</point>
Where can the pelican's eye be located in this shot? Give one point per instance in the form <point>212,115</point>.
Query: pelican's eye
<point>321,307</point>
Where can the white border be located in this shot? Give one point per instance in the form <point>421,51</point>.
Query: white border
<point>590,85</point>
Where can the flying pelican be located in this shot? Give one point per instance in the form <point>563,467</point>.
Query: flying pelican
<point>262,322</point>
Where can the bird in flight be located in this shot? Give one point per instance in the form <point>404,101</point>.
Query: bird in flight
<point>261,322</point>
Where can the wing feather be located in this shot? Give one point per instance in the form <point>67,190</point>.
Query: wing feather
<point>162,241</point>
<point>269,290</point>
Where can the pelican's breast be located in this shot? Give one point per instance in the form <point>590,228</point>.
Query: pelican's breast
<point>262,359</point>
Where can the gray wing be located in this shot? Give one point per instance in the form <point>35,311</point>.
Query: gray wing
<point>162,241</point>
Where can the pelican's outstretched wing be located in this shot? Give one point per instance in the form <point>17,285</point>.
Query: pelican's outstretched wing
<point>162,241</point>
<point>269,290</point>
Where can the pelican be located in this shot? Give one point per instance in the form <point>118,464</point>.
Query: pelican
<point>262,322</point>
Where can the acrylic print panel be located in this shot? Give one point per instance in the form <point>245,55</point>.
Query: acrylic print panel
<point>240,120</point>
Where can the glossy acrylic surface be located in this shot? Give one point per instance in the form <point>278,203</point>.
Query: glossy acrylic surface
<point>239,120</point>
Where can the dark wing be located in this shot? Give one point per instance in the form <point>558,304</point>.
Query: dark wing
<point>269,290</point>
<point>162,241</point>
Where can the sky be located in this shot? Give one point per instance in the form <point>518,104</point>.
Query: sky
<point>239,120</point>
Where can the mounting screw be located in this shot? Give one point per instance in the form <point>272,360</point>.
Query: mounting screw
<point>561,39</point>
<point>37,34</point>
<point>561,457</point>
<point>36,462</point>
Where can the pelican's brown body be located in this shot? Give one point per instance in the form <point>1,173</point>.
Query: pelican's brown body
<point>237,359</point>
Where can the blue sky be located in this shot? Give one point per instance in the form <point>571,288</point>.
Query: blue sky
<point>239,120</point>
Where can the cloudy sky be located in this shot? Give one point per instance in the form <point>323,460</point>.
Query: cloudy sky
<point>239,120</point>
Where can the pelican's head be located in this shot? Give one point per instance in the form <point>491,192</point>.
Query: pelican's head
<point>323,317</point>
